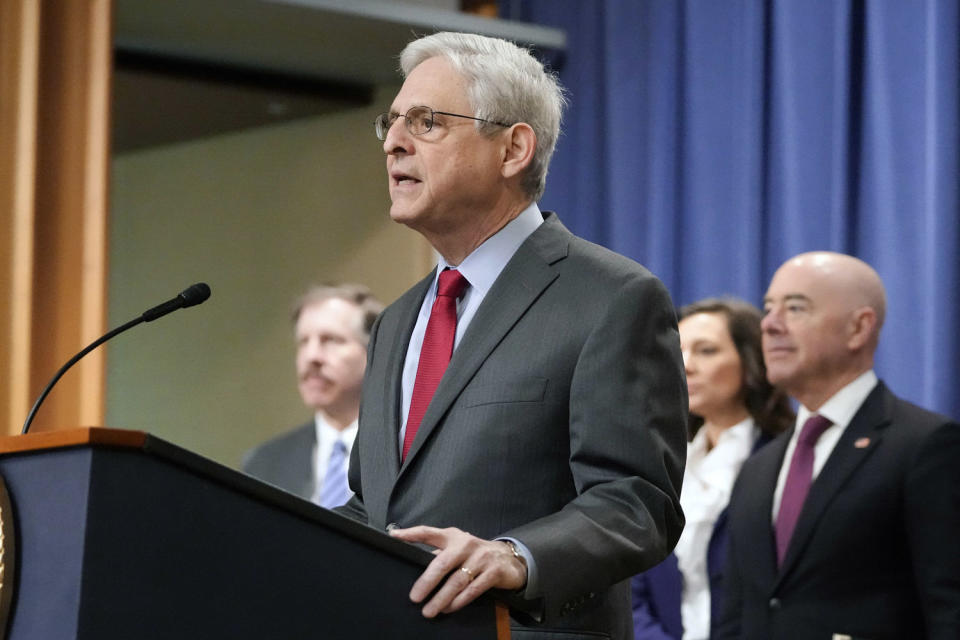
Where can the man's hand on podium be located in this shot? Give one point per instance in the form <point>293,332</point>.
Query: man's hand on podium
<point>468,566</point>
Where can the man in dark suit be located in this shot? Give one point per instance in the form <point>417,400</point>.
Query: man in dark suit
<point>331,325</point>
<point>548,458</point>
<point>846,526</point>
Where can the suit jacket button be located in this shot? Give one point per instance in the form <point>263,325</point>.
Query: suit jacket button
<point>774,604</point>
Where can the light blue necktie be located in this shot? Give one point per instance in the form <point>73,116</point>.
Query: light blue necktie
<point>335,490</point>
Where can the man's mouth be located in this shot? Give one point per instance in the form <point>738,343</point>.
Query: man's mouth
<point>777,351</point>
<point>313,377</point>
<point>403,179</point>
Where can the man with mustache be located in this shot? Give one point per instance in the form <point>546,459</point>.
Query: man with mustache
<point>331,329</point>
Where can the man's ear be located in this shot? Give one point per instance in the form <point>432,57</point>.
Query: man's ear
<point>518,150</point>
<point>862,327</point>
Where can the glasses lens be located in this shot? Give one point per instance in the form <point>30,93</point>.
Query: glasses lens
<point>381,124</point>
<point>419,120</point>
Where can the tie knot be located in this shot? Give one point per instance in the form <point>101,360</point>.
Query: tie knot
<point>452,283</point>
<point>340,446</point>
<point>813,428</point>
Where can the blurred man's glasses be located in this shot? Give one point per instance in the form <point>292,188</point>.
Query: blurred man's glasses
<point>419,120</point>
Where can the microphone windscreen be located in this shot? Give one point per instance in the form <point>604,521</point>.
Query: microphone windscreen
<point>195,294</point>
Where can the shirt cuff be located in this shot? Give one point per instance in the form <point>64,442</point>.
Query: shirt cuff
<point>532,589</point>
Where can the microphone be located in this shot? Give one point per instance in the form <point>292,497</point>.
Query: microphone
<point>191,296</point>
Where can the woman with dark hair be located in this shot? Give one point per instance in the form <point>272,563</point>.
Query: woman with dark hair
<point>733,412</point>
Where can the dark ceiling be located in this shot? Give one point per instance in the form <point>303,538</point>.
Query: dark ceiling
<point>162,101</point>
<point>187,68</point>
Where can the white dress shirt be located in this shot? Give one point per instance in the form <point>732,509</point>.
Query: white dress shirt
<point>707,483</point>
<point>840,410</point>
<point>327,436</point>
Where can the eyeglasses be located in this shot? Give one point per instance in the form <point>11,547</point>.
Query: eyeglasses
<point>419,120</point>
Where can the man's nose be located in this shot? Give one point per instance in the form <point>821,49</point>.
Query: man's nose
<point>771,322</point>
<point>313,351</point>
<point>397,139</point>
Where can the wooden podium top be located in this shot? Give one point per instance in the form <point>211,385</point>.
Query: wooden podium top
<point>72,438</point>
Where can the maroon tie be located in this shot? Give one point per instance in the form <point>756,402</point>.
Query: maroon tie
<point>799,478</point>
<point>436,351</point>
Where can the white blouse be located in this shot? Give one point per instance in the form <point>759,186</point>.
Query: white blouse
<point>707,483</point>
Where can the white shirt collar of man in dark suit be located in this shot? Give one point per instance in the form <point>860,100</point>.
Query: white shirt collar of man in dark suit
<point>840,409</point>
<point>327,436</point>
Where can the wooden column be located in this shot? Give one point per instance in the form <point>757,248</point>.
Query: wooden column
<point>55,64</point>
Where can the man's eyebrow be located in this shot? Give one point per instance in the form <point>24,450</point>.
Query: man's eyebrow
<point>790,296</point>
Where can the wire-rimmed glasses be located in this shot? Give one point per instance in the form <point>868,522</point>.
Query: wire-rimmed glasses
<point>419,120</point>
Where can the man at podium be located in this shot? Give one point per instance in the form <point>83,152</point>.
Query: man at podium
<point>524,405</point>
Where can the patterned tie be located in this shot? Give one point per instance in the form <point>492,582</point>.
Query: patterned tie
<point>799,478</point>
<point>437,349</point>
<point>335,490</point>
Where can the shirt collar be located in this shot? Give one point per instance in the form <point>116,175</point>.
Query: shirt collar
<point>735,437</point>
<point>485,263</point>
<point>844,404</point>
<point>326,431</point>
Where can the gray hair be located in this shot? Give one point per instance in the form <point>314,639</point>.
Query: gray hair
<point>356,294</point>
<point>504,83</point>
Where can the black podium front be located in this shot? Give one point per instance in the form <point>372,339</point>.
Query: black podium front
<point>119,534</point>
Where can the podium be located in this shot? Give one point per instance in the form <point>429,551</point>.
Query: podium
<point>119,534</point>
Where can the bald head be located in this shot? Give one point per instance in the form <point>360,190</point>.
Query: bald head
<point>853,281</point>
<point>823,313</point>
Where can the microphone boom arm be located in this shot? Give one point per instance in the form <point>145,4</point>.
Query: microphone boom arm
<point>192,295</point>
<point>93,345</point>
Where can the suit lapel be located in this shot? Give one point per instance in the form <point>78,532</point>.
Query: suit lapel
<point>391,394</point>
<point>291,467</point>
<point>866,430</point>
<point>760,512</point>
<point>520,283</point>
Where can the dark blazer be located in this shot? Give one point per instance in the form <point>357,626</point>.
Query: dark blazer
<point>656,597</point>
<point>658,592</point>
<point>874,554</point>
<point>286,461</point>
<point>560,422</point>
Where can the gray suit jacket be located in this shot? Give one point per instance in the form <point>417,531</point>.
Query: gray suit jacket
<point>286,460</point>
<point>560,422</point>
<point>874,553</point>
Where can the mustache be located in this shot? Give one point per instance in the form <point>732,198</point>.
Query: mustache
<point>310,371</point>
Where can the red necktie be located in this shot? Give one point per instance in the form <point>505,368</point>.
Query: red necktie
<point>799,479</point>
<point>436,351</point>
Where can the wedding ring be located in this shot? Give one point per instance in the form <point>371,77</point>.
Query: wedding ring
<point>468,572</point>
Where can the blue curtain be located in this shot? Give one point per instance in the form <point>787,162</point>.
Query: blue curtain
<point>712,140</point>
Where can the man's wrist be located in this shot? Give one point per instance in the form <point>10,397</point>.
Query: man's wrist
<point>511,545</point>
